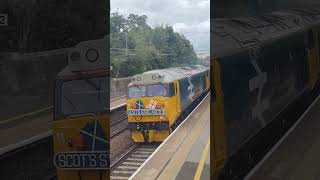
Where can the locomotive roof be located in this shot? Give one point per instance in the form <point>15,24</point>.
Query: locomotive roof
<point>175,73</point>
<point>231,35</point>
<point>67,74</point>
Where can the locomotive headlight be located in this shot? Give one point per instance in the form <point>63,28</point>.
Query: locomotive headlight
<point>92,55</point>
<point>75,56</point>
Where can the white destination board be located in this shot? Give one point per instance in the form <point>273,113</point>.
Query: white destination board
<point>150,112</point>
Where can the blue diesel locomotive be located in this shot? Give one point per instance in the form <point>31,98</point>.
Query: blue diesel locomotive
<point>264,72</point>
<point>158,99</point>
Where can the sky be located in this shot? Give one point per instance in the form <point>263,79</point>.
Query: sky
<point>191,17</point>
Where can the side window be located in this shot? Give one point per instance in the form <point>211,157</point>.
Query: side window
<point>171,90</point>
<point>177,87</point>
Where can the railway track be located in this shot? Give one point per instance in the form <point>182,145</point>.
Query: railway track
<point>126,165</point>
<point>118,120</point>
<point>118,127</point>
<point>119,132</point>
<point>118,112</point>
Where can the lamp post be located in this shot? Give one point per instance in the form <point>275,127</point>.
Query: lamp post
<point>126,43</point>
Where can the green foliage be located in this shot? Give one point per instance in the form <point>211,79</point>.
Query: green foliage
<point>36,25</point>
<point>147,48</point>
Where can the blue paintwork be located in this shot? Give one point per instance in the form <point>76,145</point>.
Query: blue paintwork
<point>188,94</point>
<point>284,62</point>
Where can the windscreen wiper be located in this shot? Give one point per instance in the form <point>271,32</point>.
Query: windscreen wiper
<point>164,86</point>
<point>137,86</point>
<point>93,84</point>
<point>69,101</point>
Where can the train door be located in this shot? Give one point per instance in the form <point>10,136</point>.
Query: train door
<point>317,40</point>
<point>217,128</point>
<point>313,63</point>
<point>177,95</point>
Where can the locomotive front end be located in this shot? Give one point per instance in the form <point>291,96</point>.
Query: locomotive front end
<point>81,123</point>
<point>150,107</point>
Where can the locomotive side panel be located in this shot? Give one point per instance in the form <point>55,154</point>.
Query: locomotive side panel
<point>191,88</point>
<point>184,93</point>
<point>234,71</point>
<point>256,90</point>
<point>263,89</point>
<point>199,84</point>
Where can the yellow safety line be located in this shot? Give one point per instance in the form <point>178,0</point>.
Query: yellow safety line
<point>202,161</point>
<point>178,159</point>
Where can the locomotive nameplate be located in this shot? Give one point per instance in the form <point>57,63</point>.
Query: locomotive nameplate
<point>150,112</point>
<point>82,160</point>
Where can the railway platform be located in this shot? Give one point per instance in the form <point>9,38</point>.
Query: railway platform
<point>297,155</point>
<point>28,127</point>
<point>185,154</point>
<point>117,102</point>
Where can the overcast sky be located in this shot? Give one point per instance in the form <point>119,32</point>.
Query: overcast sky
<point>192,16</point>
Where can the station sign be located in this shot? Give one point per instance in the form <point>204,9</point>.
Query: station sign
<point>82,160</point>
<point>150,112</point>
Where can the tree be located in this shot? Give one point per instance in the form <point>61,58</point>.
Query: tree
<point>147,48</point>
<point>117,23</point>
<point>23,12</point>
